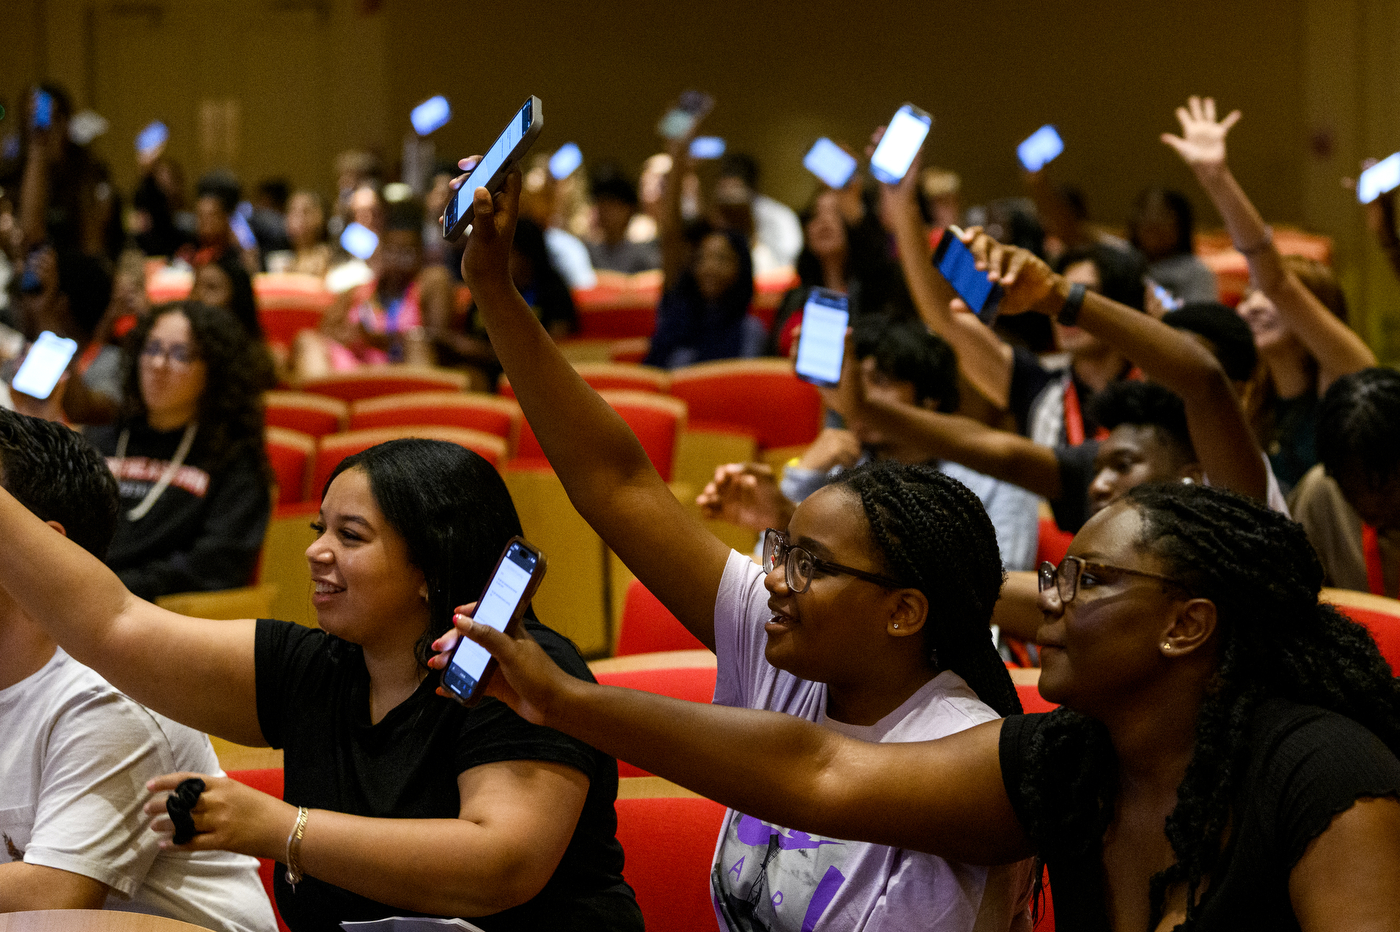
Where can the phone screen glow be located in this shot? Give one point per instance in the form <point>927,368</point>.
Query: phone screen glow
<point>1378,179</point>
<point>152,136</point>
<point>822,342</point>
<point>706,147</point>
<point>359,240</point>
<point>495,157</point>
<point>960,269</point>
<point>1040,148</point>
<point>495,609</point>
<point>899,145</point>
<point>829,162</point>
<point>44,365</point>
<point>430,115</point>
<point>565,161</point>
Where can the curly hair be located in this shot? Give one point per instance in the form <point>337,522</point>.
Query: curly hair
<point>931,532</point>
<point>237,370</point>
<point>1276,640</point>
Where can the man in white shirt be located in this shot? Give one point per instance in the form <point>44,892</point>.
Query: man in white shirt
<point>77,753</point>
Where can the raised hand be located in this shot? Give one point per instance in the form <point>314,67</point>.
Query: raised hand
<point>1025,279</point>
<point>486,259</point>
<point>745,494</point>
<point>525,679</point>
<point>1201,144</point>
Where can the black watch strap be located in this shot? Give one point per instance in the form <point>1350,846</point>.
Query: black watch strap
<point>1069,311</point>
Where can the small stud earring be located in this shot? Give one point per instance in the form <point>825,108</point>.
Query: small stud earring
<point>896,627</point>
<point>1166,645</point>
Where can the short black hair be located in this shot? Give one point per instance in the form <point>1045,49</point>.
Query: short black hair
<point>742,166</point>
<point>1121,270</point>
<point>904,349</point>
<point>1356,424</point>
<point>59,476</point>
<point>1180,206</point>
<point>87,282</point>
<point>1144,404</point>
<point>223,186</point>
<point>1230,338</point>
<point>613,186</point>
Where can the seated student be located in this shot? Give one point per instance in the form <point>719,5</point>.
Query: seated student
<point>77,752</point>
<point>1049,405</point>
<point>869,617</point>
<point>1295,306</point>
<point>1162,227</point>
<point>904,364</point>
<point>775,232</point>
<point>1350,502</point>
<point>309,253</point>
<point>397,802</point>
<point>1225,757</point>
<point>187,451</point>
<point>383,320</point>
<point>614,204</point>
<point>217,196</point>
<point>1184,364</point>
<point>223,282</point>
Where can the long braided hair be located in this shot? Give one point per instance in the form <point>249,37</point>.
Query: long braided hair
<point>1275,641</point>
<point>931,532</point>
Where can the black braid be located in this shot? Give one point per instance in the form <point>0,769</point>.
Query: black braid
<point>1276,641</point>
<point>933,534</point>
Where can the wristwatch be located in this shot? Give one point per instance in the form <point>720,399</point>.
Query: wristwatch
<point>1069,311</point>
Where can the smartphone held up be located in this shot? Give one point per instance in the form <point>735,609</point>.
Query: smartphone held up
<point>1381,178</point>
<point>490,173</point>
<point>1040,148</point>
<point>821,344</point>
<point>904,137</point>
<point>957,264</point>
<point>829,162</point>
<point>45,364</point>
<point>512,585</point>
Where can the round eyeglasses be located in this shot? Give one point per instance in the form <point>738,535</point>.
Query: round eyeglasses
<point>176,354</point>
<point>801,566</point>
<point>1065,577</point>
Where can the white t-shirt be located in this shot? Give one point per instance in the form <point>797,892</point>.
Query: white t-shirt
<point>74,763</point>
<point>766,877</point>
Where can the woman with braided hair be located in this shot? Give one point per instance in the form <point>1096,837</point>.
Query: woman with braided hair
<point>1225,757</point>
<point>869,616</point>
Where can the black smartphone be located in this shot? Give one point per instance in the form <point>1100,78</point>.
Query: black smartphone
<point>821,345</point>
<point>508,593</point>
<point>957,264</point>
<point>490,173</point>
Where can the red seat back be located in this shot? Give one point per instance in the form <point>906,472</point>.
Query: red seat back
<point>1032,700</point>
<point>1384,628</point>
<point>656,420</point>
<point>267,781</point>
<point>647,626</point>
<point>316,415</point>
<point>1053,543</point>
<point>696,684</point>
<point>290,454</point>
<point>761,397</point>
<point>336,447</point>
<point>670,843</point>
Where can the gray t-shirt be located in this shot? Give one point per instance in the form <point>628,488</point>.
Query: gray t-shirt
<point>770,878</point>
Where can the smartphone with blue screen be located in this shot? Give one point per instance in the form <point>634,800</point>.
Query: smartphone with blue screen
<point>490,173</point>
<point>43,109</point>
<point>432,114</point>
<point>1380,178</point>
<point>957,264</point>
<point>829,162</point>
<point>512,585</point>
<point>903,139</point>
<point>565,161</point>
<point>1040,148</point>
<point>681,118</point>
<point>359,240</point>
<point>45,364</point>
<point>706,147</point>
<point>821,345</point>
<point>152,137</point>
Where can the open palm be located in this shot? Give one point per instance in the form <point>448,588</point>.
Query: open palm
<point>1202,140</point>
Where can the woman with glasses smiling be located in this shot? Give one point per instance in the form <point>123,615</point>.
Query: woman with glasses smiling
<point>869,616</point>
<point>187,451</point>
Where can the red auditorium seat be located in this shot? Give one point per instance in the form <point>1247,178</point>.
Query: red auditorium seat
<point>316,415</point>
<point>475,411</point>
<point>657,420</point>
<point>373,381</point>
<point>267,781</point>
<point>1380,616</point>
<point>290,454</point>
<point>696,684</point>
<point>669,843</point>
<point>647,626</point>
<point>763,398</point>
<point>336,447</point>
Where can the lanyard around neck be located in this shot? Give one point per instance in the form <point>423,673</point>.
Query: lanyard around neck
<point>166,477</point>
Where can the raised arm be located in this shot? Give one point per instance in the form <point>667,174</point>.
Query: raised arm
<point>982,357</point>
<point>1220,432</point>
<point>777,767</point>
<point>597,457</point>
<point>1338,349</point>
<point>196,671</point>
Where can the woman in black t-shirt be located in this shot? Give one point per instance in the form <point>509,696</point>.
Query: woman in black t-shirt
<point>398,802</point>
<point>1225,757</point>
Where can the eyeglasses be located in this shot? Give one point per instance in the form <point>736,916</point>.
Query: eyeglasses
<point>801,566</point>
<point>1065,577</point>
<point>177,354</point>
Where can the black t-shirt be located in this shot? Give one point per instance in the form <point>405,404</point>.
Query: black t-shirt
<point>313,700</point>
<point>205,530</point>
<point>1306,765</point>
<point>1028,379</point>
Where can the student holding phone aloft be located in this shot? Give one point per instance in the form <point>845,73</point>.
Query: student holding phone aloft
<point>1305,344</point>
<point>870,619</point>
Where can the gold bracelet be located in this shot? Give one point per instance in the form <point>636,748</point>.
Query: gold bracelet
<point>294,848</point>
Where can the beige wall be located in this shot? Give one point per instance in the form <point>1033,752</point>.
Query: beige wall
<point>310,77</point>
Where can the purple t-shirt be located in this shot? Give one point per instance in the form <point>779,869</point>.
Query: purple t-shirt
<point>771,879</point>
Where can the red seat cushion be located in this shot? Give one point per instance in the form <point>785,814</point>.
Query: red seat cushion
<point>647,626</point>
<point>669,843</point>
